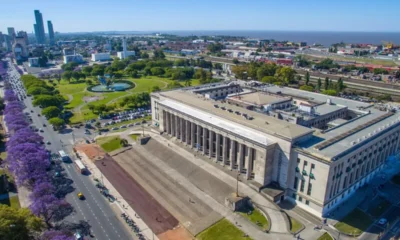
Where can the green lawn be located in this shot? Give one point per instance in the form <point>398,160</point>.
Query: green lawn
<point>256,216</point>
<point>396,179</point>
<point>354,223</point>
<point>359,60</point>
<point>222,230</point>
<point>296,225</point>
<point>12,202</point>
<point>326,236</point>
<point>380,209</point>
<point>70,88</point>
<point>109,144</point>
<point>134,136</point>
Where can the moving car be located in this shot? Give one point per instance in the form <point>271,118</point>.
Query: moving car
<point>81,196</point>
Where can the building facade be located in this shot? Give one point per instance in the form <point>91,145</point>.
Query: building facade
<point>101,57</point>
<point>39,28</point>
<point>317,167</point>
<point>51,33</point>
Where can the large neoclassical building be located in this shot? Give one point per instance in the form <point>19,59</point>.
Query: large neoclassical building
<point>318,148</point>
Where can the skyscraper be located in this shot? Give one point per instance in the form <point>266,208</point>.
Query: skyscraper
<point>24,35</point>
<point>51,32</point>
<point>11,33</point>
<point>39,28</point>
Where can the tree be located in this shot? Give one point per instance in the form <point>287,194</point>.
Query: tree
<point>268,79</point>
<point>91,106</point>
<point>98,70</point>
<point>155,89</point>
<point>67,75</point>
<point>144,55</point>
<point>18,224</point>
<point>307,88</point>
<point>123,142</point>
<point>158,54</point>
<point>379,71</point>
<point>43,61</point>
<point>384,97</point>
<point>307,78</point>
<point>235,61</point>
<point>87,70</point>
<point>76,75</point>
<point>2,105</point>
<point>285,74</point>
<point>33,90</point>
<point>57,122</point>
<point>48,100</point>
<point>215,47</point>
<point>326,84</point>
<point>51,112</point>
<point>157,71</point>
<point>319,84</point>
<point>340,85</point>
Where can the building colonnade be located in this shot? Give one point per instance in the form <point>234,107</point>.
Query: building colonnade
<point>222,149</point>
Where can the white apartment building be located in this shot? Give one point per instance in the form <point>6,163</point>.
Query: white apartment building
<point>101,57</point>
<point>317,167</point>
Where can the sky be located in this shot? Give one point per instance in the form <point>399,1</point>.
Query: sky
<point>164,15</point>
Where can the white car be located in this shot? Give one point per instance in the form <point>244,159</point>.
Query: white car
<point>114,128</point>
<point>382,221</point>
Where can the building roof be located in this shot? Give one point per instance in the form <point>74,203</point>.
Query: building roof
<point>260,122</point>
<point>259,98</point>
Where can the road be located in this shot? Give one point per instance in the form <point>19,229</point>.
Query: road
<point>95,209</point>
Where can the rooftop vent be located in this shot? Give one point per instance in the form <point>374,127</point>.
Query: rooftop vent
<point>230,110</point>
<point>216,106</point>
<point>353,143</point>
<point>237,112</point>
<point>223,108</point>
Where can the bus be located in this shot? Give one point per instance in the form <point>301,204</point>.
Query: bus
<point>80,166</point>
<point>63,156</point>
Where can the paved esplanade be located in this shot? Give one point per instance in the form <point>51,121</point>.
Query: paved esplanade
<point>94,209</point>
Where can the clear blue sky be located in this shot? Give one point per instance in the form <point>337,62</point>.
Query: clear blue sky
<point>152,15</point>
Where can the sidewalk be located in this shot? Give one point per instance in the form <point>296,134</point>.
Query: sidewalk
<point>121,205</point>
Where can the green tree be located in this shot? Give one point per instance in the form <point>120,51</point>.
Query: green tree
<point>124,142</point>
<point>56,122</point>
<point>215,47</point>
<point>319,84</point>
<point>155,89</point>
<point>379,71</point>
<point>326,84</point>
<point>76,75</point>
<point>98,70</point>
<point>307,88</point>
<point>2,105</point>
<point>33,90</point>
<point>157,71</point>
<point>48,100</point>
<point>285,74</point>
<point>67,75</point>
<point>268,79</point>
<point>158,54</point>
<point>144,55</point>
<point>235,61</point>
<point>307,78</point>
<point>340,85</point>
<point>87,70</point>
<point>51,112</point>
<point>19,224</point>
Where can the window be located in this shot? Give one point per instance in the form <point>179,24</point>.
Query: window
<point>302,186</point>
<point>305,163</point>
<point>294,195</point>
<point>298,160</point>
<point>312,165</point>
<point>309,188</point>
<point>296,182</point>
<point>300,199</point>
<point>307,202</point>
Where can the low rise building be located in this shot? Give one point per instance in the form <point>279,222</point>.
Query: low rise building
<point>73,58</point>
<point>121,55</point>
<point>318,149</point>
<point>101,57</point>
<point>33,62</point>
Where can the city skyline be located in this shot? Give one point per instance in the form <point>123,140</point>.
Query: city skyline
<point>232,15</point>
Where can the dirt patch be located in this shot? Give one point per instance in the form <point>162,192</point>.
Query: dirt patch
<point>92,151</point>
<point>92,98</point>
<point>178,233</point>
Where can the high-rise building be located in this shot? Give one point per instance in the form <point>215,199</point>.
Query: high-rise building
<point>51,32</point>
<point>39,28</point>
<point>24,35</point>
<point>1,39</point>
<point>11,33</point>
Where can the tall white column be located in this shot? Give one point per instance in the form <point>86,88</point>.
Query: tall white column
<point>218,147</point>
<point>233,154</point>
<point>241,156</point>
<point>187,135</point>
<point>211,144</point>
<point>205,130</point>
<point>250,160</point>
<point>172,125</point>
<point>177,133</point>
<point>181,123</point>
<point>192,138</point>
<point>225,148</point>
<point>167,126</point>
<point>198,147</point>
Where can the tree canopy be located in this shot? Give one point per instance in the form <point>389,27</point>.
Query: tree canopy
<point>51,112</point>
